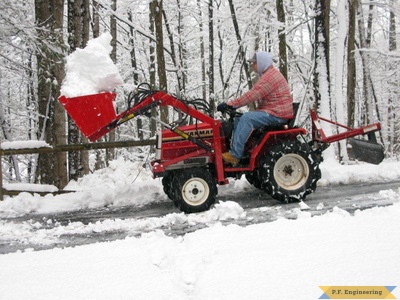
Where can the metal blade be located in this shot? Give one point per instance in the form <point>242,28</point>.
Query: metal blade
<point>368,151</point>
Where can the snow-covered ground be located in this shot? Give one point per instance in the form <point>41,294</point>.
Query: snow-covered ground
<point>284,259</point>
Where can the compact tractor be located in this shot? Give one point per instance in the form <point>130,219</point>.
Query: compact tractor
<point>278,160</point>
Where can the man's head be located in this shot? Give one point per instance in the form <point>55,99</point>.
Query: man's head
<point>261,61</point>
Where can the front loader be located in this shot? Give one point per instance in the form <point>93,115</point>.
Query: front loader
<point>277,160</point>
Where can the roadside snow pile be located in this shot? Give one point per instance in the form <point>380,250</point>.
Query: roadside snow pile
<point>334,173</point>
<point>91,70</point>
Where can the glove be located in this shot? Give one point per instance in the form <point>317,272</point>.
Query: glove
<point>222,107</point>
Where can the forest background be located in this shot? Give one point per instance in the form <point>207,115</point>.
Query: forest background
<point>340,57</point>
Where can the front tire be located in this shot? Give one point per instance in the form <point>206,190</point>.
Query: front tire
<point>194,190</point>
<point>290,171</point>
<point>167,184</point>
<point>253,179</point>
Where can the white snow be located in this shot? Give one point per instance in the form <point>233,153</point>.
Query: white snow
<point>31,187</point>
<point>24,144</point>
<point>283,259</point>
<point>91,70</point>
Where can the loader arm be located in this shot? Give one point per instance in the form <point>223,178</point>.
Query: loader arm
<point>143,107</point>
<point>161,98</point>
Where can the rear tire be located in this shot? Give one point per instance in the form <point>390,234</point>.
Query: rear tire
<point>194,190</point>
<point>290,171</point>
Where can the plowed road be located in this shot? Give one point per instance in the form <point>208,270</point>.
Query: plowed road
<point>41,232</point>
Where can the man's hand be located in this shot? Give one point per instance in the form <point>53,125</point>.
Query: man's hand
<point>223,107</point>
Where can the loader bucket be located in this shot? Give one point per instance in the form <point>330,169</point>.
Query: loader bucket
<point>90,112</point>
<point>367,151</point>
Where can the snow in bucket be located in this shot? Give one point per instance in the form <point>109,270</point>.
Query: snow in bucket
<point>91,70</point>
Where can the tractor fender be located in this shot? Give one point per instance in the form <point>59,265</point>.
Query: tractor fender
<point>270,139</point>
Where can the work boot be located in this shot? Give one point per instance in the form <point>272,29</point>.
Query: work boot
<point>229,158</point>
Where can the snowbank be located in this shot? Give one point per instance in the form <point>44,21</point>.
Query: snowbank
<point>91,70</point>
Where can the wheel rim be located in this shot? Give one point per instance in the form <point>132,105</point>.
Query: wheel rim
<point>195,191</point>
<point>291,171</point>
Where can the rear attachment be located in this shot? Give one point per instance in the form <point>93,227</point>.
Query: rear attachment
<point>369,151</point>
<point>363,150</point>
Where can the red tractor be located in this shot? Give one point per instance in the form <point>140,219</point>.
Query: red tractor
<point>278,160</point>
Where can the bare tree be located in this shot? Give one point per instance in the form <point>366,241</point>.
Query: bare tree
<point>351,63</point>
<point>95,19</point>
<point>110,153</point>
<point>321,53</point>
<point>282,38</point>
<point>96,33</point>
<point>364,37</point>
<point>202,52</point>
<point>211,91</point>
<point>49,17</point>
<point>162,74</point>
<point>78,35</point>
<point>152,58</point>
<point>394,134</point>
<point>84,161</point>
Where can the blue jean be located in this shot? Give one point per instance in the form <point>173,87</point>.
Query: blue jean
<point>244,125</point>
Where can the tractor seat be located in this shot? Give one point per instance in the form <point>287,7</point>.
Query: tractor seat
<point>288,125</point>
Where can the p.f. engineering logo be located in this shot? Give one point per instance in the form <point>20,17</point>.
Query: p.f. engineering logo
<point>357,292</point>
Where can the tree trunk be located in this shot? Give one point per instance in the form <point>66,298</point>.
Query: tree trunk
<point>52,169</point>
<point>135,75</point>
<point>74,40</point>
<point>211,92</point>
<point>282,39</point>
<point>321,52</point>
<point>110,153</point>
<point>85,38</point>
<point>30,103</point>
<point>339,107</point>
<point>95,19</point>
<point>162,74</point>
<point>394,135</point>
<point>321,69</point>
<point>99,164</point>
<point>78,36</point>
<point>351,64</point>
<point>152,71</point>
<point>181,59</point>
<point>202,50</point>
<point>6,129</point>
<point>367,88</point>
